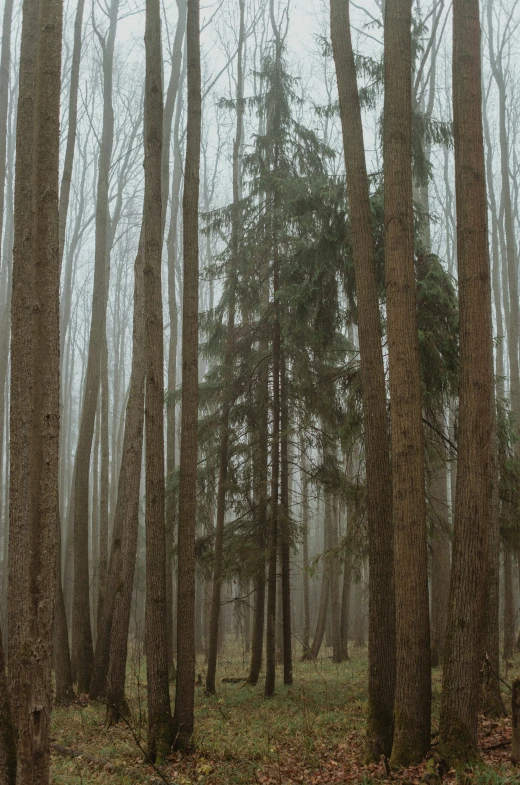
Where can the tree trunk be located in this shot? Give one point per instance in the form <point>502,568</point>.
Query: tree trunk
<point>68,162</point>
<point>508,604</point>
<point>473,503</point>
<point>491,700</point>
<point>345,603</point>
<point>515,748</point>
<point>285,534</point>
<point>325,580</point>
<point>381,667</point>
<point>440,546</point>
<point>126,519</point>
<point>82,650</point>
<point>227,390</point>
<point>413,686</point>
<point>62,667</point>
<point>260,452</point>
<point>173,103</point>
<point>273,112</point>
<point>184,696</point>
<point>335,605</point>
<point>7,730</point>
<point>305,550</point>
<point>103,480</point>
<point>159,717</point>
<point>35,391</point>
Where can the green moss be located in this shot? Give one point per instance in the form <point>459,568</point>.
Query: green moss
<point>457,744</point>
<point>411,742</point>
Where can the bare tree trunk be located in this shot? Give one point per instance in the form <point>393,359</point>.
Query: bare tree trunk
<point>68,162</point>
<point>473,504</point>
<point>305,550</point>
<point>126,519</point>
<point>440,545</point>
<point>5,67</point>
<point>412,721</point>
<point>7,730</point>
<point>381,669</point>
<point>491,700</point>
<point>35,391</point>
<point>285,537</point>
<point>227,391</point>
<point>334,587</point>
<point>325,581</point>
<point>159,715</point>
<point>173,103</point>
<point>508,604</point>
<point>260,456</point>
<point>185,683</point>
<point>103,480</point>
<point>345,604</point>
<point>270,640</point>
<point>62,667</point>
<point>82,649</point>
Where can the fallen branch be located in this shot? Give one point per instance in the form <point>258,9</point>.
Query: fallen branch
<point>500,746</point>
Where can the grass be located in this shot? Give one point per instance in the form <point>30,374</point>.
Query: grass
<point>309,733</point>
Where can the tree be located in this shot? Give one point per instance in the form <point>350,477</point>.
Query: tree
<point>228,369</point>
<point>111,658</point>
<point>7,732</point>
<point>381,627</point>
<point>159,714</point>
<point>35,390</point>
<point>82,649</point>
<point>413,686</point>
<point>473,502</point>
<point>184,697</point>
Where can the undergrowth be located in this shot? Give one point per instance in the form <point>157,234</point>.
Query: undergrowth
<point>309,733</point>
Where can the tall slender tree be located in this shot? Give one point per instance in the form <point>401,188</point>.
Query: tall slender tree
<point>227,391</point>
<point>413,685</point>
<point>381,627</point>
<point>184,697</point>
<point>473,502</point>
<point>159,715</point>
<point>35,390</point>
<point>82,648</point>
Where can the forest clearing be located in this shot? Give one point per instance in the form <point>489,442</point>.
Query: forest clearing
<point>312,733</point>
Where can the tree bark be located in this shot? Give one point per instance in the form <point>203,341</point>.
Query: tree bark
<point>35,390</point>
<point>126,519</point>
<point>227,390</point>
<point>381,668</point>
<point>473,503</point>
<point>412,708</point>
<point>184,697</point>
<point>508,604</point>
<point>305,550</point>
<point>440,546</point>
<point>7,730</point>
<point>285,533</point>
<point>68,162</point>
<point>82,649</point>
<point>160,736</point>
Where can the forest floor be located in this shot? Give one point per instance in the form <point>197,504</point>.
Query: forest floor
<point>311,733</point>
